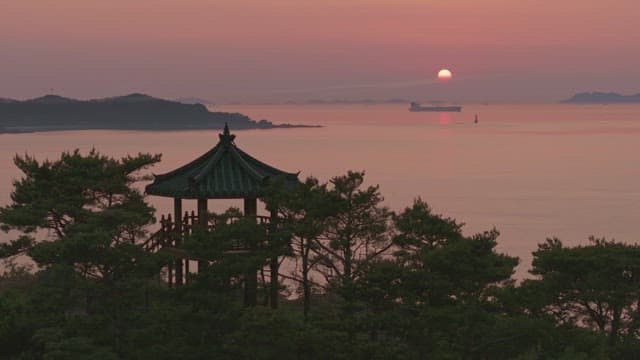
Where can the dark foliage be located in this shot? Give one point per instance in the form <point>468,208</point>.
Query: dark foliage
<point>366,283</point>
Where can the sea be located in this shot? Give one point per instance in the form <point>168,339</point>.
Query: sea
<point>532,171</point>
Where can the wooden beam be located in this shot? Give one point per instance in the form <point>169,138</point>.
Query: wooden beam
<point>202,222</point>
<point>177,216</point>
<point>251,207</point>
<point>274,286</point>
<point>202,211</point>
<point>251,274</point>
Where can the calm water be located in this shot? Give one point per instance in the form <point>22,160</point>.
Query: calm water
<point>530,171</point>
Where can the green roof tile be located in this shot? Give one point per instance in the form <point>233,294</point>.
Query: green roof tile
<point>224,172</point>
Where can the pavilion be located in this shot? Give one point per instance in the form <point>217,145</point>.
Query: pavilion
<point>224,172</point>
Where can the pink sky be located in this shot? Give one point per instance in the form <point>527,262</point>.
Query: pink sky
<point>499,50</point>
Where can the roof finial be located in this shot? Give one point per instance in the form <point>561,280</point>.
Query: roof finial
<point>226,134</point>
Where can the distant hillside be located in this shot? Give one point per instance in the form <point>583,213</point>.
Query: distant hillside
<point>602,98</point>
<point>194,100</point>
<point>130,112</point>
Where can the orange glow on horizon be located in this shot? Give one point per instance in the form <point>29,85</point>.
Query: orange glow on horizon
<point>284,50</point>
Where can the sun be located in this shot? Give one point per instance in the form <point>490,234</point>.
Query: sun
<point>445,75</point>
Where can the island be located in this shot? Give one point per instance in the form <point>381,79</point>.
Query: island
<point>130,112</point>
<point>194,100</point>
<point>597,97</point>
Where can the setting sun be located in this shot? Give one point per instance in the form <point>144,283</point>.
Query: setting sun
<point>445,74</point>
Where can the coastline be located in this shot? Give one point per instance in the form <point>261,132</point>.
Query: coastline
<point>43,129</point>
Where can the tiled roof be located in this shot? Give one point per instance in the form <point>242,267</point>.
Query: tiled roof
<point>224,172</point>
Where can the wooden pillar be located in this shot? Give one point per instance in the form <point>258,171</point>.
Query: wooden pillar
<point>186,231</point>
<point>202,211</point>
<point>251,207</point>
<point>202,223</point>
<point>274,266</point>
<point>177,216</point>
<point>251,274</point>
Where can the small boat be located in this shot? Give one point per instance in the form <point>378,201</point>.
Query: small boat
<point>475,121</point>
<point>414,106</point>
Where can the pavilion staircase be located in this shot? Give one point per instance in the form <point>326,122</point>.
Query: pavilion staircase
<point>172,233</point>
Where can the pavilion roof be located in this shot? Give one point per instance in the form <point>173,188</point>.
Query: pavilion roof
<point>224,172</point>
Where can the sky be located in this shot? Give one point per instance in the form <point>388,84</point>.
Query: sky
<point>282,50</point>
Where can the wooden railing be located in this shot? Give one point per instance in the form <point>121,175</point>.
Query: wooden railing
<point>171,233</point>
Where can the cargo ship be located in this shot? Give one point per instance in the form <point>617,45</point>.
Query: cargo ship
<point>415,107</point>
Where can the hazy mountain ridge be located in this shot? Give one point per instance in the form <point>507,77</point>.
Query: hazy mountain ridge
<point>194,100</point>
<point>597,97</point>
<point>129,112</point>
<point>51,99</point>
